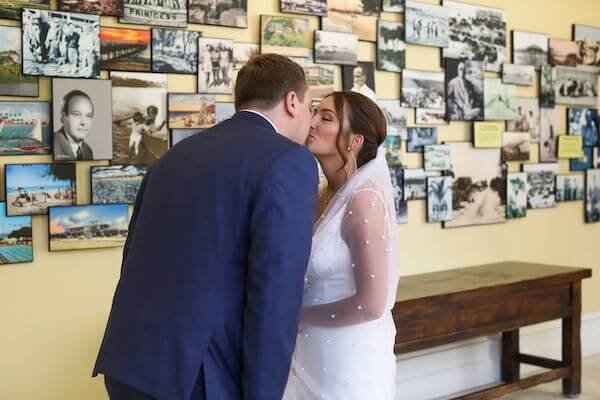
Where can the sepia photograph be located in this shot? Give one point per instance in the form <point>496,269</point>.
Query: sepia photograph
<point>547,87</point>
<point>516,195</point>
<point>11,9</point>
<point>563,52</point>
<point>25,128</point>
<point>395,116</point>
<point>308,7</point>
<point>437,157</point>
<point>429,116</point>
<point>116,183</point>
<point>391,50</point>
<point>392,146</point>
<point>439,199</point>
<point>588,43</point>
<point>500,100</point>
<point>426,24</point>
<point>422,89</point>
<point>583,163</point>
<point>12,80</point>
<point>529,48</point>
<point>415,183</point>
<point>358,17</point>
<point>584,122</point>
<point>32,188</point>
<point>418,138</point>
<point>541,185</point>
<point>335,48</point>
<point>61,44</point>
<point>592,195</point>
<point>397,175</point>
<point>16,238</point>
<point>477,33</point>
<point>576,86</point>
<point>527,118</point>
<point>171,13</point>
<point>232,13</point>
<point>124,49</point>
<point>108,8</point>
<point>215,65</point>
<point>515,146</point>
<point>288,36</point>
<point>521,75</point>
<point>464,90</point>
<point>87,226</point>
<point>360,78</point>
<point>191,111</point>
<point>242,52</point>
<point>139,117</point>
<point>569,187</point>
<point>175,51</point>
<point>478,185</point>
<point>548,135</point>
<point>392,6</point>
<point>82,110</point>
<point>321,81</point>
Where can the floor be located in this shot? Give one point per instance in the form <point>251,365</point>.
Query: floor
<point>590,385</point>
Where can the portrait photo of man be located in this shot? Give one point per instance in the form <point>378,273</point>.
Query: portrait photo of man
<point>77,117</point>
<point>360,78</point>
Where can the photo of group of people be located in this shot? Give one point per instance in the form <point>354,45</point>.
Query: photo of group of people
<point>215,65</point>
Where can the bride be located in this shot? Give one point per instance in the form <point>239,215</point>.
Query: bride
<point>344,348</point>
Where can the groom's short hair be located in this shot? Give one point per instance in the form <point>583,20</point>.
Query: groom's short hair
<point>266,79</point>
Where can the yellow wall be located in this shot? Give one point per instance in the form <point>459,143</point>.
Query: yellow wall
<point>53,311</point>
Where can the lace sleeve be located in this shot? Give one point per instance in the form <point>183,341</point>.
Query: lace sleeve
<point>364,229</point>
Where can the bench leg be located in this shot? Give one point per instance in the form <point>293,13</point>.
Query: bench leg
<point>571,343</point>
<point>511,369</point>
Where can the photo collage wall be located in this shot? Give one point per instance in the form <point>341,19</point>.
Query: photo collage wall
<point>131,119</point>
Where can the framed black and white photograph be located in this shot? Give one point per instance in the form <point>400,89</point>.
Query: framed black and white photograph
<point>439,199</point>
<point>125,49</point>
<point>547,86</point>
<point>478,185</point>
<point>548,134</point>
<point>418,138</point>
<point>395,116</point>
<point>215,65</point>
<point>437,157</point>
<point>588,42</point>
<point>563,52</point>
<point>423,89</point>
<point>392,145</point>
<point>527,118</point>
<point>569,187</point>
<point>516,195</point>
<point>16,242</point>
<point>232,13</point>
<point>397,175</point>
<point>12,80</point>
<point>576,86</point>
<point>515,146</point>
<point>391,50</point>
<point>115,184</point>
<point>592,195</point>
<point>477,33</point>
<point>430,116</point>
<point>393,6</point>
<point>139,117</point>
<point>500,100</point>
<point>426,24</point>
<point>321,78</point>
<point>415,183</point>
<point>171,13</point>
<point>61,44</point>
<point>584,122</point>
<point>11,9</point>
<point>191,111</point>
<point>308,7</point>
<point>82,109</point>
<point>288,36</point>
<point>25,128</point>
<point>353,16</point>
<point>242,52</point>
<point>177,135</point>
<point>175,51</point>
<point>32,188</point>
<point>541,184</point>
<point>530,48</point>
<point>520,75</point>
<point>109,8</point>
<point>360,78</point>
<point>336,48</point>
<point>464,90</point>
<point>584,162</point>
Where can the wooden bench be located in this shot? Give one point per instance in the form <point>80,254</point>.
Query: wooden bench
<point>438,308</point>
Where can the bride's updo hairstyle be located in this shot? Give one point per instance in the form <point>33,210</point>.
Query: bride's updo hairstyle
<point>364,118</point>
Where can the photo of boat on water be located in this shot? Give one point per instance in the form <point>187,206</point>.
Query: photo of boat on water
<point>25,128</point>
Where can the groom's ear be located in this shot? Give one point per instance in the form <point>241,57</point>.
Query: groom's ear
<point>292,103</point>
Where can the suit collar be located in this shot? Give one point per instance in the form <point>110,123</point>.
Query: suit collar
<point>257,118</point>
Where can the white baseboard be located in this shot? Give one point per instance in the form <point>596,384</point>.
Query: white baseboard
<point>445,370</point>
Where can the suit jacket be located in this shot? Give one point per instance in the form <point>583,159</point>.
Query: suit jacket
<point>213,266</point>
<point>63,151</point>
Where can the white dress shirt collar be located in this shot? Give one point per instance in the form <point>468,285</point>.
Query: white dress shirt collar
<point>262,115</point>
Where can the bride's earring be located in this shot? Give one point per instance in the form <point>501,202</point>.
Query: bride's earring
<point>348,148</point>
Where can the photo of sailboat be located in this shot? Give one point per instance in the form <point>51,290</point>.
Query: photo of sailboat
<point>25,128</point>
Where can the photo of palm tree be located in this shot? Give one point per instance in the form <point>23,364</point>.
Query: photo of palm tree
<point>391,52</point>
<point>516,191</point>
<point>439,199</point>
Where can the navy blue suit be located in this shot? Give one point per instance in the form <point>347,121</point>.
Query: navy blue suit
<point>213,267</point>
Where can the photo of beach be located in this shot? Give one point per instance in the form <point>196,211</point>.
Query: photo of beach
<point>190,110</point>
<point>25,128</point>
<point>15,238</point>
<point>116,183</point>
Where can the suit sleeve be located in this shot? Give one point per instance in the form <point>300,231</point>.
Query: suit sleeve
<point>136,211</point>
<point>281,234</point>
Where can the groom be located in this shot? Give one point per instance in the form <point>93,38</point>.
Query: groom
<point>208,302</point>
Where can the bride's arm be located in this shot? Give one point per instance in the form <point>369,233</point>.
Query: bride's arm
<point>364,230</point>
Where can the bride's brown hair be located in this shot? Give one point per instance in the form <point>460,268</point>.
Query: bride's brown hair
<point>364,118</point>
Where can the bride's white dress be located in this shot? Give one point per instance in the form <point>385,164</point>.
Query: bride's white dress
<point>344,350</point>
